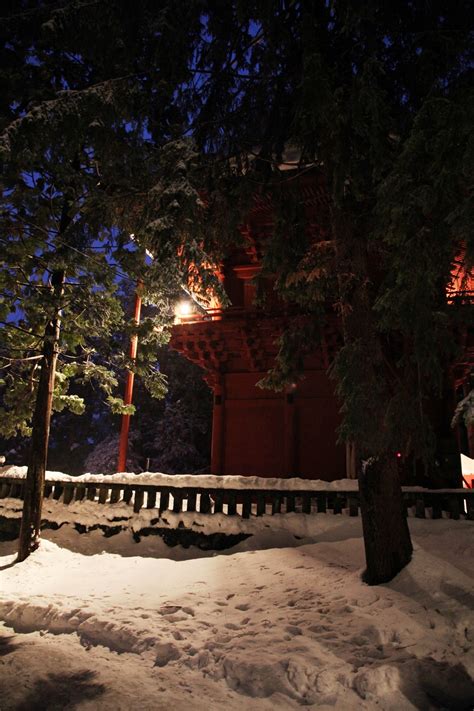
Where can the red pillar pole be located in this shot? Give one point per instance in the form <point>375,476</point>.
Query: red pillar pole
<point>128,394</point>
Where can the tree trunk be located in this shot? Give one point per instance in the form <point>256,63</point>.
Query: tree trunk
<point>34,485</point>
<point>387,540</point>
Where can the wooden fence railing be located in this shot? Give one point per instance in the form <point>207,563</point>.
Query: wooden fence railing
<point>453,503</point>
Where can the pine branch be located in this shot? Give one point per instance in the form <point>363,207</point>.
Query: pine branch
<point>8,324</point>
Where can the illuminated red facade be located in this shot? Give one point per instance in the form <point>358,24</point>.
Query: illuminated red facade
<point>257,431</point>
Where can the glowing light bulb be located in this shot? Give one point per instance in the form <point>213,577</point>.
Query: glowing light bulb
<point>183,309</point>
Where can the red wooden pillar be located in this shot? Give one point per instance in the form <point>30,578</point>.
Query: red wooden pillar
<point>218,429</point>
<point>128,394</point>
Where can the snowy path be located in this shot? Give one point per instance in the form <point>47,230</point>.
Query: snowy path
<point>262,629</point>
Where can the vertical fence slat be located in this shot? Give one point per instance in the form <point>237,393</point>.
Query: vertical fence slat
<point>138,500</point>
<point>246,504</point>
<point>469,507</point>
<point>68,494</point>
<point>91,492</point>
<point>436,506</point>
<point>454,507</point>
<point>14,490</point>
<point>306,503</point>
<point>205,503</point>
<point>276,503</point>
<point>127,494</point>
<point>290,503</point>
<point>261,499</point>
<point>353,505</point>
<point>80,493</point>
<point>58,490</point>
<point>420,506</point>
<point>321,503</point>
<point>103,493</point>
<point>164,500</point>
<point>151,498</point>
<point>231,503</point>
<point>115,495</point>
<point>218,501</point>
<point>177,501</point>
<point>191,501</point>
<point>337,504</point>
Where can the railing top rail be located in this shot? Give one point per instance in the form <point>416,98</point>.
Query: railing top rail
<point>143,486</point>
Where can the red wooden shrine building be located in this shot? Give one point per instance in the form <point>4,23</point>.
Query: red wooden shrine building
<point>257,431</point>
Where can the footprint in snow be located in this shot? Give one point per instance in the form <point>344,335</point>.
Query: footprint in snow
<point>293,630</point>
<point>165,653</point>
<point>318,629</point>
<point>244,606</point>
<point>169,609</point>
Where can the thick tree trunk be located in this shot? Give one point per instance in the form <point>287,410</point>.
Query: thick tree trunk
<point>387,540</point>
<point>34,485</point>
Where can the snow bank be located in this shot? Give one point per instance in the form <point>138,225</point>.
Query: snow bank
<point>195,480</point>
<point>89,514</point>
<point>207,481</point>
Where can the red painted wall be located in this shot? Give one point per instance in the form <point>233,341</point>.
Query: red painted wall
<point>270,434</point>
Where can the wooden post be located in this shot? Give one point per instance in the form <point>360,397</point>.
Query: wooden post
<point>128,395</point>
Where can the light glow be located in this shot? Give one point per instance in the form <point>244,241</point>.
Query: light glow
<point>183,308</point>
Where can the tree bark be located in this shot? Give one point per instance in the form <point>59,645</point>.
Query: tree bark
<point>387,540</point>
<point>35,477</point>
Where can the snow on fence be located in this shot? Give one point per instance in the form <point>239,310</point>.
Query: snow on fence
<point>423,503</point>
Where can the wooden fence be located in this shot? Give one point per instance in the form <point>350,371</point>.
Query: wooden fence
<point>452,503</point>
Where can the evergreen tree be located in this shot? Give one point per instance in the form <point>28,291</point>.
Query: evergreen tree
<point>377,101</point>
<point>75,127</point>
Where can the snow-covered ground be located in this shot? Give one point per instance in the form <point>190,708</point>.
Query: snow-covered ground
<point>276,623</point>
